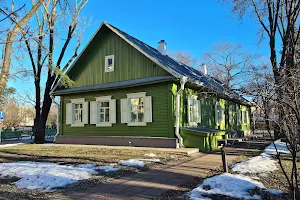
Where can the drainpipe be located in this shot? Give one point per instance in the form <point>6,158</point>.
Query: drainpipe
<point>183,80</point>
<point>57,120</point>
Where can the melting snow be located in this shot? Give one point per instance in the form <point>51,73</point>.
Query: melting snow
<point>9,145</point>
<point>281,147</point>
<point>140,163</point>
<point>263,163</point>
<point>237,186</point>
<point>150,155</point>
<point>256,165</point>
<point>47,176</point>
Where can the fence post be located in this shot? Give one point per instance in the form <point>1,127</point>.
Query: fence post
<point>224,161</point>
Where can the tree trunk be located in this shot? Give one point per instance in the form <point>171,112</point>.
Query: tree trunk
<point>37,110</point>
<point>40,134</point>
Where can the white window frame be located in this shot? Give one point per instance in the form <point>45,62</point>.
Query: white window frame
<point>238,116</point>
<point>134,96</point>
<point>230,113</point>
<point>193,111</point>
<point>244,117</point>
<point>101,100</point>
<point>106,63</point>
<point>77,101</point>
<point>219,119</point>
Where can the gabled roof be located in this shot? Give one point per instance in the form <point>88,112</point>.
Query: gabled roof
<point>175,68</point>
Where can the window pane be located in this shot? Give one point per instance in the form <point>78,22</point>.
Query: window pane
<point>102,117</point>
<point>137,109</point>
<point>134,102</point>
<point>104,104</point>
<point>141,114</point>
<point>133,117</point>
<point>109,61</point>
<point>107,117</point>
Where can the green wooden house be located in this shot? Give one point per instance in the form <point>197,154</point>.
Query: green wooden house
<point>128,93</point>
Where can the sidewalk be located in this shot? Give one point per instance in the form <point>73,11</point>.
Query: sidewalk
<point>152,183</point>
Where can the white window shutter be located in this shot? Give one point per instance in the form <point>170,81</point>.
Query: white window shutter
<point>188,108</point>
<point>85,113</point>
<point>148,109</point>
<point>94,112</point>
<point>199,112</point>
<point>238,116</point>
<point>112,111</point>
<point>223,115</point>
<point>216,115</point>
<point>125,111</point>
<point>69,113</point>
<point>195,110</point>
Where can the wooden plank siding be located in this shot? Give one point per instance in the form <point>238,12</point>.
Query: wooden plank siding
<point>128,62</point>
<point>208,110</point>
<point>162,125</point>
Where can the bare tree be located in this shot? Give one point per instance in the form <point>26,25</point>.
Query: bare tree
<point>279,20</point>
<point>11,34</point>
<point>228,63</point>
<point>186,58</point>
<point>48,52</point>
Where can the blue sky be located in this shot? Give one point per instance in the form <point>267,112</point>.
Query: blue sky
<point>191,26</point>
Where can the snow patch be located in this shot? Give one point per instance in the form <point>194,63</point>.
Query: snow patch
<point>281,147</point>
<point>132,163</point>
<point>47,176</point>
<point>150,155</point>
<point>256,165</point>
<point>262,164</point>
<point>137,162</point>
<point>9,145</point>
<point>236,186</point>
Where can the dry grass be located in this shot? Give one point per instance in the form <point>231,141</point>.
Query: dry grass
<point>277,180</point>
<point>72,155</point>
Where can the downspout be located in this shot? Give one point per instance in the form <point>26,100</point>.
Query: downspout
<point>57,120</point>
<point>183,80</point>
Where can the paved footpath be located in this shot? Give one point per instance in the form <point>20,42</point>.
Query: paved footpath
<point>152,183</point>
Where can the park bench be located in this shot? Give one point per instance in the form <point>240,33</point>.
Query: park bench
<point>50,132</point>
<point>11,134</point>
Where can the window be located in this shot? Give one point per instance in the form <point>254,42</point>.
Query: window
<point>244,117</point>
<point>230,113</point>
<point>136,109</point>
<point>219,114</point>
<point>77,112</point>
<point>109,63</point>
<point>103,111</point>
<point>194,110</point>
<point>238,115</point>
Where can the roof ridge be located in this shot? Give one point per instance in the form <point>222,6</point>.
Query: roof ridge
<point>134,38</point>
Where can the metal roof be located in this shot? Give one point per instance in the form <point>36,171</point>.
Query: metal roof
<point>179,69</point>
<point>114,85</point>
<point>175,68</point>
